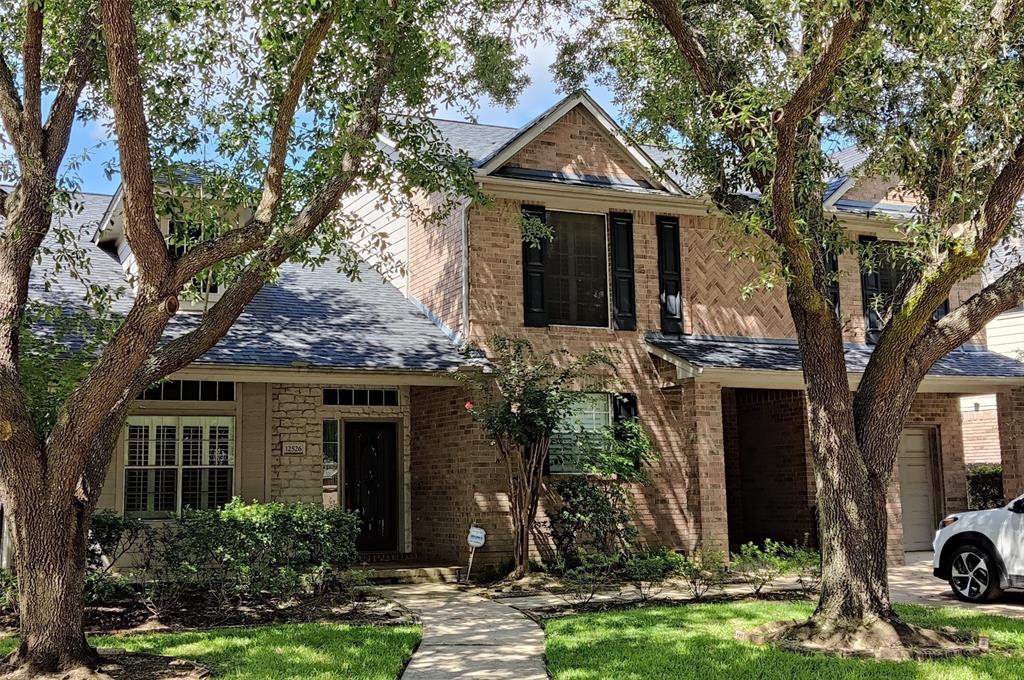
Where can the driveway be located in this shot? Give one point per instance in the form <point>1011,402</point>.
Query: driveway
<point>913,583</point>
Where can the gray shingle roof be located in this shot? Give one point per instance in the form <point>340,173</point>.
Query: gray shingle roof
<point>317,317</point>
<point>782,355</point>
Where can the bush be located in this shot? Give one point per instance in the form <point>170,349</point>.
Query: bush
<point>105,587</point>
<point>758,566</point>
<point>648,570</point>
<point>248,551</point>
<point>8,592</point>
<point>593,519</point>
<point>985,487</point>
<point>703,571</point>
<point>594,573</point>
<point>805,563</point>
<point>111,536</point>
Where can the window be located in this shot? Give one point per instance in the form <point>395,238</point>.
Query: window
<point>591,415</point>
<point>190,390</point>
<point>832,269</point>
<point>576,270</point>
<point>331,463</point>
<point>359,397</point>
<point>182,235</point>
<point>879,286</point>
<point>174,463</point>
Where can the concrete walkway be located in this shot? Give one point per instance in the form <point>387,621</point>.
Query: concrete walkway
<point>467,636</point>
<point>913,583</point>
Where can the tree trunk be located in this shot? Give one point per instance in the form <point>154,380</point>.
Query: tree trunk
<point>50,556</point>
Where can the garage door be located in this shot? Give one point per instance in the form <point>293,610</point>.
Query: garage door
<point>917,488</point>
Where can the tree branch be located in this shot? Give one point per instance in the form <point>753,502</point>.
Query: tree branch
<point>57,130</point>
<point>140,222</point>
<point>185,349</point>
<point>251,235</point>
<point>32,56</point>
<point>10,107</point>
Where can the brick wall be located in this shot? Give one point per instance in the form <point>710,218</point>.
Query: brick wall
<point>1011,436</point>
<point>981,436</point>
<point>435,266</point>
<point>457,479</point>
<point>576,144</point>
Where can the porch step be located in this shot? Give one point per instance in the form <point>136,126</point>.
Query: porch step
<point>390,574</point>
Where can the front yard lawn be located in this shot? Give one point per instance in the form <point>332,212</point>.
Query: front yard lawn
<point>311,651</point>
<point>696,642</point>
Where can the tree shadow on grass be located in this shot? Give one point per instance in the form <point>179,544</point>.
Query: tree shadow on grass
<point>317,651</point>
<point>696,643</point>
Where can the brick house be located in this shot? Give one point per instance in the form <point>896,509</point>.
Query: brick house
<point>343,392</point>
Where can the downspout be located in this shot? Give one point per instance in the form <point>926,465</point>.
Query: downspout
<point>465,271</point>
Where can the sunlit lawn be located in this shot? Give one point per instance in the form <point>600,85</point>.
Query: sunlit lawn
<point>696,642</point>
<point>308,651</point>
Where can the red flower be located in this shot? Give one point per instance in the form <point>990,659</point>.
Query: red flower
<point>469,406</point>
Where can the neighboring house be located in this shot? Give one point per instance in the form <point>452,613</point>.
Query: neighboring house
<point>343,392</point>
<point>1004,334</point>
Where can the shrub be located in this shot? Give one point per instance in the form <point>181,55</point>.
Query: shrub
<point>758,566</point>
<point>8,591</point>
<point>805,563</point>
<point>105,586</point>
<point>648,570</point>
<point>703,571</point>
<point>111,536</point>
<point>594,573</point>
<point>984,487</point>
<point>248,551</point>
<point>593,518</point>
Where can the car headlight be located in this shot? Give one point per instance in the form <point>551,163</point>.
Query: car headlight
<point>948,520</point>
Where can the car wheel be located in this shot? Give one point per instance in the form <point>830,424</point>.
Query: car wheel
<point>974,574</point>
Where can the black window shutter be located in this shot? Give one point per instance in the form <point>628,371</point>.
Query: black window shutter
<point>832,267</point>
<point>534,313</point>
<point>623,289</point>
<point>670,276</point>
<point>624,407</point>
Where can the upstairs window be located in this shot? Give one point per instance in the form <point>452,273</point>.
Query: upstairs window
<point>565,277</point>
<point>174,463</point>
<point>182,235</point>
<point>576,270</point>
<point>878,287</point>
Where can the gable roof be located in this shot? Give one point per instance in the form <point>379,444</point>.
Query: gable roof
<point>306,318</point>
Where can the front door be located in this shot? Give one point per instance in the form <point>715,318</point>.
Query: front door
<point>371,483</point>
<point>917,488</point>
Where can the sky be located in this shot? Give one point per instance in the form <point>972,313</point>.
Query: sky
<point>92,138</point>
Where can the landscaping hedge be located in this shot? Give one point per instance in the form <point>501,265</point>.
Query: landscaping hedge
<point>984,487</point>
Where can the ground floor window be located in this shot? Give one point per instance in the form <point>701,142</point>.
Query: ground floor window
<point>590,416</point>
<point>173,463</point>
<point>331,459</point>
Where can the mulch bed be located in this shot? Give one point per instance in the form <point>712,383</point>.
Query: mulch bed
<point>132,616</point>
<point>557,611</point>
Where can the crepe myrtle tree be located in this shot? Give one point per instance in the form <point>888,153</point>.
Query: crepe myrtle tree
<point>750,94</point>
<point>243,124</point>
<point>520,400</point>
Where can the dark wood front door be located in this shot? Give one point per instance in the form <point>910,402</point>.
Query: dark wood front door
<point>371,483</point>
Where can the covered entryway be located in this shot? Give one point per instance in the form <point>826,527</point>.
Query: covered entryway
<point>918,496</point>
<point>371,482</point>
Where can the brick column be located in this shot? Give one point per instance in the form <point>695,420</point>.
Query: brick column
<point>703,400</point>
<point>1010,406</point>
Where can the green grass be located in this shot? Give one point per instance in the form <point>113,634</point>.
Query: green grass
<point>308,651</point>
<point>696,642</point>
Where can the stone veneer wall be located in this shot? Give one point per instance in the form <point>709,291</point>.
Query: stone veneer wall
<point>298,413</point>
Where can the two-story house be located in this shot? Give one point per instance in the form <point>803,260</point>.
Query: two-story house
<point>341,392</point>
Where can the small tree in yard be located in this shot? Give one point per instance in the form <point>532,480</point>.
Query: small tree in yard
<point>751,94</point>
<point>520,402</point>
<point>275,106</point>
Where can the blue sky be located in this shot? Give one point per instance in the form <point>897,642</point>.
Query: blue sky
<point>540,95</point>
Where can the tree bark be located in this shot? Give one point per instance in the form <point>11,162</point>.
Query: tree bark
<point>50,558</point>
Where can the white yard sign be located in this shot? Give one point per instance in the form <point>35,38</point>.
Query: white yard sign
<point>476,539</point>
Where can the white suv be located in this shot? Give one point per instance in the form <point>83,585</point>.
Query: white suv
<point>981,553</point>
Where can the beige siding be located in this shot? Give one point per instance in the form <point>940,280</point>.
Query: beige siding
<point>379,218</point>
<point>1005,334</point>
<point>252,440</point>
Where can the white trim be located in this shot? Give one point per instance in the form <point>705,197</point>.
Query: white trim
<point>537,126</point>
<point>840,190</point>
<point>757,378</point>
<point>309,376</point>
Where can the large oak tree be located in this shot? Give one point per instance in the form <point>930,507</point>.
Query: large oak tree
<point>245,121</point>
<point>755,92</point>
